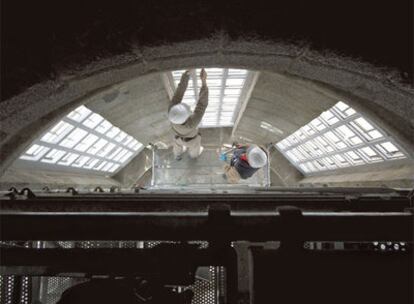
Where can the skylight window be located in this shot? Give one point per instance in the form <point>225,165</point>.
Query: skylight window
<point>84,140</point>
<point>339,138</point>
<point>225,88</point>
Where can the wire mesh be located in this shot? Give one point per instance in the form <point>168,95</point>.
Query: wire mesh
<point>18,290</point>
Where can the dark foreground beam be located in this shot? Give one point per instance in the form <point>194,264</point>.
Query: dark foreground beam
<point>106,202</point>
<point>323,226</point>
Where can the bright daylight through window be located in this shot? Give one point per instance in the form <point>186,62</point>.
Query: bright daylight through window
<point>84,140</point>
<point>225,88</point>
<point>340,137</point>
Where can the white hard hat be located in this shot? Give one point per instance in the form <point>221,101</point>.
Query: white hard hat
<point>179,113</point>
<point>256,157</point>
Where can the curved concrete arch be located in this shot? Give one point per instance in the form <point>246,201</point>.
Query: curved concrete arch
<point>364,86</point>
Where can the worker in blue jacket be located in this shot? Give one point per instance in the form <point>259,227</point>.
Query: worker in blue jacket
<point>246,160</point>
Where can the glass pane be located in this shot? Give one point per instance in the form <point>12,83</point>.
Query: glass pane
<point>97,146</point>
<point>53,156</point>
<point>90,163</point>
<point>103,127</point>
<point>68,159</point>
<point>93,120</point>
<point>390,150</point>
<point>113,132</point>
<point>80,161</point>
<point>59,131</point>
<point>73,138</point>
<point>86,143</point>
<point>79,114</point>
<point>370,154</point>
<point>34,153</point>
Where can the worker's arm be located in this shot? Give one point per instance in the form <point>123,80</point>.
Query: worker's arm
<point>182,87</point>
<point>202,103</point>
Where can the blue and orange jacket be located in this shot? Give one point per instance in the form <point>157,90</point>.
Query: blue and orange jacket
<point>240,163</point>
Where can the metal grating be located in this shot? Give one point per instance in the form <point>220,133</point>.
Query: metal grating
<point>205,292</point>
<point>7,286</point>
<point>25,290</point>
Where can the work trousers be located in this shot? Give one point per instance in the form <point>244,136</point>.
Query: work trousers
<point>193,146</point>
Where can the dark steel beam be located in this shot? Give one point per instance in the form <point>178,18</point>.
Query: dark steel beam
<point>194,203</point>
<point>197,226</point>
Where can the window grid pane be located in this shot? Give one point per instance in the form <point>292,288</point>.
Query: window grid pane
<point>225,89</point>
<point>340,137</point>
<point>84,140</point>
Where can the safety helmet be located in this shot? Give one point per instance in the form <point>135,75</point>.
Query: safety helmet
<point>256,157</point>
<point>179,113</point>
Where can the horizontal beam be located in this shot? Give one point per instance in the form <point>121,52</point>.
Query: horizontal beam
<point>194,202</point>
<point>323,226</point>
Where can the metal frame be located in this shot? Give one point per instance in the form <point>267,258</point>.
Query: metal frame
<point>188,217</point>
<point>354,148</point>
<point>179,218</point>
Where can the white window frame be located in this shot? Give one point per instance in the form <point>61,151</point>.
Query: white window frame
<point>108,163</point>
<point>294,147</point>
<point>217,114</point>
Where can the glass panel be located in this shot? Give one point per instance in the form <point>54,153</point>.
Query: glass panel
<point>78,141</point>
<point>59,131</point>
<point>80,161</point>
<point>97,146</point>
<point>103,127</point>
<point>90,163</point>
<point>86,143</point>
<point>113,132</point>
<point>106,149</point>
<point>344,109</point>
<point>79,114</point>
<point>73,138</point>
<point>120,155</point>
<point>34,153</point>
<point>329,117</point>
<point>68,159</point>
<point>53,156</point>
<point>107,166</point>
<point>125,157</point>
<point>113,153</point>
<point>233,81</point>
<point>390,150</point>
<point>93,120</point>
<point>114,168</point>
<point>317,124</point>
<point>356,159</point>
<point>347,136</point>
<point>370,154</point>
<point>339,144</point>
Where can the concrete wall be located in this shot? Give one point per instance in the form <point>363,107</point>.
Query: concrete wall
<point>399,174</point>
<point>135,169</point>
<point>19,177</point>
<point>284,102</point>
<point>283,173</point>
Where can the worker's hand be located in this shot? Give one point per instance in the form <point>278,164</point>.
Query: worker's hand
<point>203,75</point>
